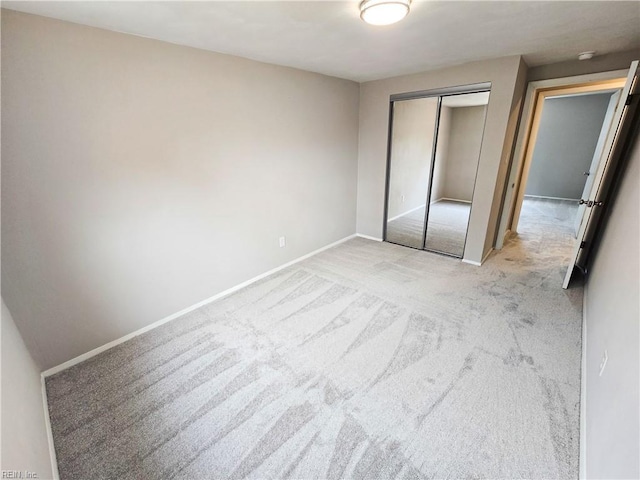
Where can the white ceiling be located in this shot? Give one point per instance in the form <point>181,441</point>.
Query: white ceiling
<point>329,37</point>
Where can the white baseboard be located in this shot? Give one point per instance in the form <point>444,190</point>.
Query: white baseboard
<point>478,264</point>
<point>406,213</point>
<point>47,424</point>
<point>553,198</point>
<point>582,458</point>
<point>471,262</point>
<point>454,200</point>
<point>375,239</point>
<point>107,346</point>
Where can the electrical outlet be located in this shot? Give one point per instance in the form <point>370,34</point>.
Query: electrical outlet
<point>283,242</point>
<point>603,362</point>
<point>402,198</point>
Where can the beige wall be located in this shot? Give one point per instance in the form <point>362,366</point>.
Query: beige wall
<point>411,149</point>
<point>507,76</point>
<point>612,323</point>
<point>141,177</point>
<point>25,445</point>
<point>465,140</point>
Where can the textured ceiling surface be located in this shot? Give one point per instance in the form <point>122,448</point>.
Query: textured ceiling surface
<point>328,37</point>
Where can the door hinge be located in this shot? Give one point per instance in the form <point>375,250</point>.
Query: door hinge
<point>590,203</point>
<point>629,99</point>
<point>583,244</point>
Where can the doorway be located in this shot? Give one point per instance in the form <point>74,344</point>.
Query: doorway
<point>434,148</point>
<point>527,133</point>
<point>606,154</point>
<point>568,146</point>
<point>565,147</point>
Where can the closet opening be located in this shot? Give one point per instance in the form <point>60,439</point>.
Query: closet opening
<point>435,139</point>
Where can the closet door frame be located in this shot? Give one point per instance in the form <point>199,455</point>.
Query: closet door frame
<point>432,167</point>
<point>439,93</point>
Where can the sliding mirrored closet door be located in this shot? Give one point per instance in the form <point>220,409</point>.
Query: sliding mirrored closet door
<point>412,141</point>
<point>434,150</point>
<point>456,164</point>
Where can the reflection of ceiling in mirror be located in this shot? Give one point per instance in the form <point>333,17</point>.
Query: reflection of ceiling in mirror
<point>466,100</point>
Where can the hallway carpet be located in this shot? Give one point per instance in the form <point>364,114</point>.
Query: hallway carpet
<point>369,360</point>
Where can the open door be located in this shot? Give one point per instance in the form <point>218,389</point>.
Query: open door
<point>626,105</point>
<point>597,154</point>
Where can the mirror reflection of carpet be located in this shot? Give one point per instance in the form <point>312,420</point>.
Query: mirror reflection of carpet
<point>446,232</point>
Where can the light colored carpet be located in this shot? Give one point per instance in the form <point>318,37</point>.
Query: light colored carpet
<point>369,360</point>
<point>408,229</point>
<point>543,213</point>
<point>447,229</point>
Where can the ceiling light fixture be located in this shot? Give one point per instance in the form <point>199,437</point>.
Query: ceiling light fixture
<point>384,12</point>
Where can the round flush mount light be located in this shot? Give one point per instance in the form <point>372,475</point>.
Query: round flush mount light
<point>384,12</point>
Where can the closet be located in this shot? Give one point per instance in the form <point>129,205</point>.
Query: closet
<point>434,147</point>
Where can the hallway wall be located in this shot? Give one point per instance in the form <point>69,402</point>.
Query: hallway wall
<point>567,138</point>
